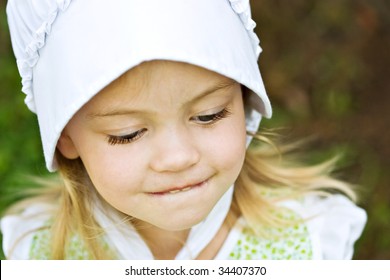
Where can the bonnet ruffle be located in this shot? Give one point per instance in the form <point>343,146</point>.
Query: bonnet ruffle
<point>31,24</point>
<point>243,9</point>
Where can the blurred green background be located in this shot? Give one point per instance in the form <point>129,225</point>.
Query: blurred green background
<point>326,68</point>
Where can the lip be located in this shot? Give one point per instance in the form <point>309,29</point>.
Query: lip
<point>181,189</point>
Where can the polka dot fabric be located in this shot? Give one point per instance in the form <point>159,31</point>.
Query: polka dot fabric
<point>40,247</point>
<point>293,244</point>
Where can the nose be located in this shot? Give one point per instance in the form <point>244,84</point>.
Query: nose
<point>174,150</point>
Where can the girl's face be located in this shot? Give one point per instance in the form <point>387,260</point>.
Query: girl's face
<point>162,143</point>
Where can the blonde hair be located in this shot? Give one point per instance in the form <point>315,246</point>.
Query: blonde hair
<point>271,175</point>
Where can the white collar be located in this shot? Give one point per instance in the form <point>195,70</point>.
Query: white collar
<point>130,246</point>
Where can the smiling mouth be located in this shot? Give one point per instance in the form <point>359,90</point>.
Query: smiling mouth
<point>180,189</point>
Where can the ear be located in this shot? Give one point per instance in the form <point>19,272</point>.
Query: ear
<point>66,146</point>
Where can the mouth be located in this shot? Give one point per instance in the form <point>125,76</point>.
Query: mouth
<point>185,188</point>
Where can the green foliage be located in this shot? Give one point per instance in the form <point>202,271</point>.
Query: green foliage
<point>325,65</point>
<point>20,147</point>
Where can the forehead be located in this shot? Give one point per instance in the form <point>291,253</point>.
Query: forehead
<point>156,81</point>
<point>163,72</point>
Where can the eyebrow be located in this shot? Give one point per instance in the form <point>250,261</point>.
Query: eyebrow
<point>120,112</point>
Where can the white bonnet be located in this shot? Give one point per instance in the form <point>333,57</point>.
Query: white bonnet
<point>69,50</point>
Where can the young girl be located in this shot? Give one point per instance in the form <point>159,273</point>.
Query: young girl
<point>147,108</point>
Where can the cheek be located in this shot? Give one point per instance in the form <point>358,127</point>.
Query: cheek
<point>229,145</point>
<point>109,168</point>
<point>117,179</point>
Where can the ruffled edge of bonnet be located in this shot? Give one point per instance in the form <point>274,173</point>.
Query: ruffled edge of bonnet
<point>243,9</point>
<point>27,63</point>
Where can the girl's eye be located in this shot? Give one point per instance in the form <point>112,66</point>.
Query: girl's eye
<point>212,118</point>
<point>125,139</point>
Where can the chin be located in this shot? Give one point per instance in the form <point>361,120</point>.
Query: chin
<point>181,223</point>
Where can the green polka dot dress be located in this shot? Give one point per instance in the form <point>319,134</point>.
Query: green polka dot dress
<point>293,244</point>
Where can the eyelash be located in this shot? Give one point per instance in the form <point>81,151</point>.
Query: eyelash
<point>125,139</point>
<point>129,138</point>
<point>212,118</point>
